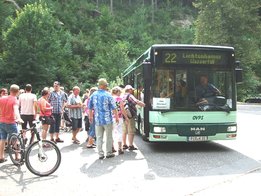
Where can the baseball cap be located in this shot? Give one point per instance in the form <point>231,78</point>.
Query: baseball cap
<point>102,82</point>
<point>128,87</point>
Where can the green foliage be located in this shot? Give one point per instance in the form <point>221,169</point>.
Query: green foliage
<point>76,42</point>
<point>235,23</point>
<point>37,49</point>
<point>5,10</point>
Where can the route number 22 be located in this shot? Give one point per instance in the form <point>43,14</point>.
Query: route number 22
<point>170,57</point>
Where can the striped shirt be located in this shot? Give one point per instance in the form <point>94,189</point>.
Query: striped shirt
<point>75,113</point>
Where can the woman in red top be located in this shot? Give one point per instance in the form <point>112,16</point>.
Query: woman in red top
<point>45,112</point>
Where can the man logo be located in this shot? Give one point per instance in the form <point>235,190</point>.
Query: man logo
<point>197,130</point>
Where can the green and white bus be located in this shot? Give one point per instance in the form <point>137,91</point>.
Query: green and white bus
<point>166,78</point>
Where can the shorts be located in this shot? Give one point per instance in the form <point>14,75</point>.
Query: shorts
<point>76,123</point>
<point>46,120</point>
<point>27,119</point>
<point>130,127</point>
<point>6,129</point>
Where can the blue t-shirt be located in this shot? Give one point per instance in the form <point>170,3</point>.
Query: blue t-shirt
<point>102,103</point>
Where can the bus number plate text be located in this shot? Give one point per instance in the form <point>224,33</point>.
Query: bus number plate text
<point>197,138</point>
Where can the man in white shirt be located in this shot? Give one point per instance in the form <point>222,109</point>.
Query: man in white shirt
<point>28,106</point>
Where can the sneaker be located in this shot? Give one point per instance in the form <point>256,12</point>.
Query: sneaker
<point>132,148</point>
<point>101,157</point>
<point>125,147</point>
<point>110,156</point>
<point>59,140</point>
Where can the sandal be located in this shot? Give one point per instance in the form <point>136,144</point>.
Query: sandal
<point>120,151</point>
<point>59,140</point>
<point>90,146</point>
<point>76,142</point>
<point>3,160</point>
<point>113,150</point>
<point>125,147</point>
<point>132,148</point>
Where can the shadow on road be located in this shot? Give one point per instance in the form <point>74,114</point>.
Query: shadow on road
<point>17,175</point>
<point>106,166</point>
<point>194,159</point>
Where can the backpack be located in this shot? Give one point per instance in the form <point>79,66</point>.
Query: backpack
<point>130,108</point>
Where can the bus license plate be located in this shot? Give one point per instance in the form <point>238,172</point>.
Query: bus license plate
<point>197,138</point>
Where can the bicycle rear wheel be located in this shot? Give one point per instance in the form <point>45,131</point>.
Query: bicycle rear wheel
<point>16,149</point>
<point>42,158</point>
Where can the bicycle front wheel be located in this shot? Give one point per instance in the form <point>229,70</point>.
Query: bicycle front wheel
<point>16,149</point>
<point>42,158</point>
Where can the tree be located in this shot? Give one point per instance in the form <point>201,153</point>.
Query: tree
<point>36,47</point>
<point>234,23</point>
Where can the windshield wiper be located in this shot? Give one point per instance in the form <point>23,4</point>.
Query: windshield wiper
<point>213,107</point>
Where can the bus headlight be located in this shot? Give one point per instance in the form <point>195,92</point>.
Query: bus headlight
<point>159,130</point>
<point>232,129</point>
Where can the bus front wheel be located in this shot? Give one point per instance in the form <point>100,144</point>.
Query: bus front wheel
<point>142,131</point>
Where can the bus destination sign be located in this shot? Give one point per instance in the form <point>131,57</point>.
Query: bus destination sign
<point>180,57</point>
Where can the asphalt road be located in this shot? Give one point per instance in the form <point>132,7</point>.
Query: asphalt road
<point>212,168</point>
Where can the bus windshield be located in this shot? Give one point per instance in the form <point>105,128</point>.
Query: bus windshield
<point>192,89</point>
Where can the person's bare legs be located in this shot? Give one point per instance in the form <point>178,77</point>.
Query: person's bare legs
<point>124,138</point>
<point>74,134</point>
<point>130,139</point>
<point>124,134</point>
<point>2,148</point>
<point>56,135</point>
<point>44,132</point>
<point>51,136</point>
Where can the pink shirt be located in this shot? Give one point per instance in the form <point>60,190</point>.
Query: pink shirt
<point>48,111</point>
<point>7,114</point>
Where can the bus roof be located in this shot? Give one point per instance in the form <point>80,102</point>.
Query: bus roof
<point>147,53</point>
<point>190,46</point>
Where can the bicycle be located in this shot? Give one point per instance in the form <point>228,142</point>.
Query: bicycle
<point>42,157</point>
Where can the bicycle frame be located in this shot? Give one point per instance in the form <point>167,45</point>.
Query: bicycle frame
<point>36,125</point>
<point>16,144</point>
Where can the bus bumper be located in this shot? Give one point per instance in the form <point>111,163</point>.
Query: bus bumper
<point>154,137</point>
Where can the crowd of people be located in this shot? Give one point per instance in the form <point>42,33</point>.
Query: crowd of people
<point>103,111</point>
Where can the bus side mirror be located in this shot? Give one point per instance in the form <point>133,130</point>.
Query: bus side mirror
<point>239,73</point>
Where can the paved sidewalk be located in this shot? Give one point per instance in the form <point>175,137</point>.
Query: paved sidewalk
<point>244,184</point>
